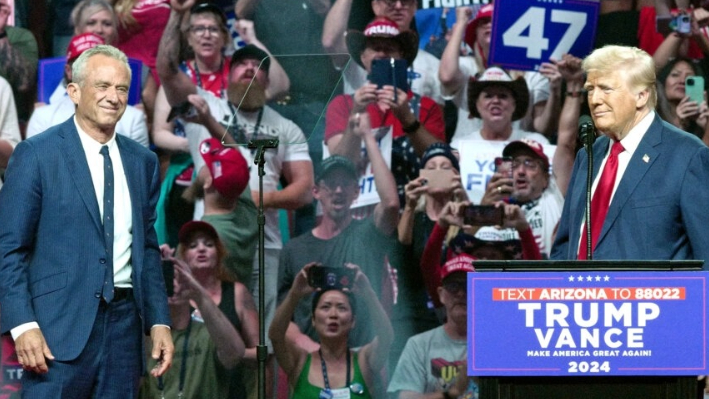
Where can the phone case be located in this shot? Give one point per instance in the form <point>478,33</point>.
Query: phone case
<point>391,72</point>
<point>694,88</point>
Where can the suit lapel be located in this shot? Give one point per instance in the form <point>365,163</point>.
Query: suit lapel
<point>641,161</point>
<point>133,178</point>
<point>79,170</point>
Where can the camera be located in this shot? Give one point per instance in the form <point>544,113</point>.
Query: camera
<point>483,215</point>
<point>330,277</point>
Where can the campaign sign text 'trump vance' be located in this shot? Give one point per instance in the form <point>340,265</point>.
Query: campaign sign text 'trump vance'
<point>587,323</point>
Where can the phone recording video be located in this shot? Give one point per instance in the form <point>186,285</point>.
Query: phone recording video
<point>483,215</point>
<point>390,72</point>
<point>330,277</point>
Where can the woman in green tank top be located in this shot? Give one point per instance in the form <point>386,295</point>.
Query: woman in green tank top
<point>332,371</point>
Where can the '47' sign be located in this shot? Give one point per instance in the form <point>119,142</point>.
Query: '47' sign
<point>526,33</point>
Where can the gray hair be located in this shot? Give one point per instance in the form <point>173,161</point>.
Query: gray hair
<point>85,9</point>
<point>78,69</point>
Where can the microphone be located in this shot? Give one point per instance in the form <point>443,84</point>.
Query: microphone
<point>587,131</point>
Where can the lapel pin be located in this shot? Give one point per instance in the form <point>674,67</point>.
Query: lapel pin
<point>646,158</point>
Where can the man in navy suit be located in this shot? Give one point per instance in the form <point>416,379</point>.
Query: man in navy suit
<point>76,303</point>
<point>658,202</point>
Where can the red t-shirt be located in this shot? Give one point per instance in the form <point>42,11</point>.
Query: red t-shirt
<point>214,82</point>
<point>649,39</point>
<point>142,40</point>
<point>338,113</point>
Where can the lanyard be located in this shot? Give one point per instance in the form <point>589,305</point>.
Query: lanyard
<point>324,371</point>
<point>198,75</point>
<point>183,366</point>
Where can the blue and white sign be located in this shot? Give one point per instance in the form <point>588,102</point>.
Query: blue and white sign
<point>526,33</point>
<point>586,323</point>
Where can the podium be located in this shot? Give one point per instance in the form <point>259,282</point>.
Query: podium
<point>588,387</point>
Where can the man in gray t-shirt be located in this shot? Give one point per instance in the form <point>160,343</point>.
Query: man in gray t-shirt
<point>432,361</point>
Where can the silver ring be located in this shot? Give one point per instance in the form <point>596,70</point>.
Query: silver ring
<point>499,189</point>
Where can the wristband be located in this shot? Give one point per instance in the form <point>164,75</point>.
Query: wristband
<point>3,34</point>
<point>412,127</point>
<point>574,93</point>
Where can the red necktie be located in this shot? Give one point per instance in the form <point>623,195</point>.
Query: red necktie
<point>601,199</point>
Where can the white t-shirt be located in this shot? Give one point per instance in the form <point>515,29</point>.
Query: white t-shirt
<point>517,134</point>
<point>292,147</point>
<point>424,83</point>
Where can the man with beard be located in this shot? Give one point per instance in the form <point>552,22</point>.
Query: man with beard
<point>247,117</point>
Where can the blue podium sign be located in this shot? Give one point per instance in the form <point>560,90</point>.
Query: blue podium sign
<point>526,33</point>
<point>587,323</point>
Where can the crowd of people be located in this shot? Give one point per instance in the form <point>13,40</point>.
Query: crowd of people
<point>359,270</point>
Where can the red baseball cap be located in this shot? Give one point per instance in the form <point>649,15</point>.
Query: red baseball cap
<point>81,43</point>
<point>527,144</point>
<point>470,37</point>
<point>228,168</point>
<point>461,263</point>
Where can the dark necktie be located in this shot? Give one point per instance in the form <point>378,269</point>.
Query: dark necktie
<point>601,200</point>
<point>108,223</point>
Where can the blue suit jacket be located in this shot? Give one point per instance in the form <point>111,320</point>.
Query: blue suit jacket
<point>659,210</point>
<point>51,243</point>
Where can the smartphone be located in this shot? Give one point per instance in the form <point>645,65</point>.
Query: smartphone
<point>483,215</point>
<point>330,277</point>
<point>183,109</point>
<point>168,274</point>
<point>682,23</point>
<point>390,71</point>
<point>667,24</point>
<point>694,88</point>
<point>438,178</point>
<point>503,165</point>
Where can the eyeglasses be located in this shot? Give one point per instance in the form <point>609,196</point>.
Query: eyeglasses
<point>200,30</point>
<point>404,3</point>
<point>455,287</point>
<point>529,164</point>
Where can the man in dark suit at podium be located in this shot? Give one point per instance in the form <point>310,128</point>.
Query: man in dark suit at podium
<point>650,180</point>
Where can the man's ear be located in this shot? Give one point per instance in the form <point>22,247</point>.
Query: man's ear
<point>74,93</point>
<point>642,98</point>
